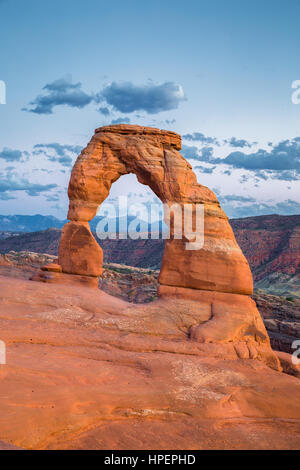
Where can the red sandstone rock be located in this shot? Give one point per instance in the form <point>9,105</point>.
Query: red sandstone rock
<point>233,318</point>
<point>218,268</point>
<point>79,253</point>
<point>287,364</point>
<point>45,275</point>
<point>153,156</point>
<point>52,267</point>
<point>88,371</point>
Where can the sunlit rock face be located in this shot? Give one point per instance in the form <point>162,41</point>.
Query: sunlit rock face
<point>214,281</point>
<point>153,155</point>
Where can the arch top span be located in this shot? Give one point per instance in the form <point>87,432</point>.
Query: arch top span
<point>151,154</point>
<point>167,138</point>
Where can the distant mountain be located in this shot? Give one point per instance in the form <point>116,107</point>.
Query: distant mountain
<point>35,223</point>
<point>46,241</point>
<point>29,223</point>
<point>270,243</point>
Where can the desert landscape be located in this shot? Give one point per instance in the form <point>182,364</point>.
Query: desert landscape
<point>130,357</point>
<point>149,229</point>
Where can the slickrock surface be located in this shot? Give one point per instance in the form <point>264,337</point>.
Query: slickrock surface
<point>281,316</point>
<point>88,371</point>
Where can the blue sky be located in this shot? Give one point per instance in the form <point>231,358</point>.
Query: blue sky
<point>219,73</point>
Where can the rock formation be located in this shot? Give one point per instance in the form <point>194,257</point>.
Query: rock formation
<point>154,157</point>
<point>86,370</point>
<point>216,277</point>
<point>138,285</point>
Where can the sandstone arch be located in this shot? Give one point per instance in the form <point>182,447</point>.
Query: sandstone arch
<point>153,155</point>
<point>206,292</point>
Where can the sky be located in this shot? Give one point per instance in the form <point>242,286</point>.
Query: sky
<point>218,73</point>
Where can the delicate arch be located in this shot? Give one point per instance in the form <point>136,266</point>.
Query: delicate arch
<point>153,156</point>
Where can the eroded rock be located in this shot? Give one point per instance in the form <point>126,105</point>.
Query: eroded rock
<point>216,276</point>
<point>79,253</point>
<point>154,157</point>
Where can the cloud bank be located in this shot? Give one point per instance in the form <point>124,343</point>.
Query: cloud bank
<point>281,162</point>
<point>124,97</point>
<point>11,155</point>
<point>199,137</point>
<point>58,93</point>
<point>61,153</point>
<point>13,183</point>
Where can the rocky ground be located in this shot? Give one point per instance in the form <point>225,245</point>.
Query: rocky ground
<point>136,285</point>
<point>86,370</point>
<point>139,285</point>
<point>89,371</point>
<point>131,284</point>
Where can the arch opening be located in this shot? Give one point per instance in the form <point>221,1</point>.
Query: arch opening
<point>132,248</point>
